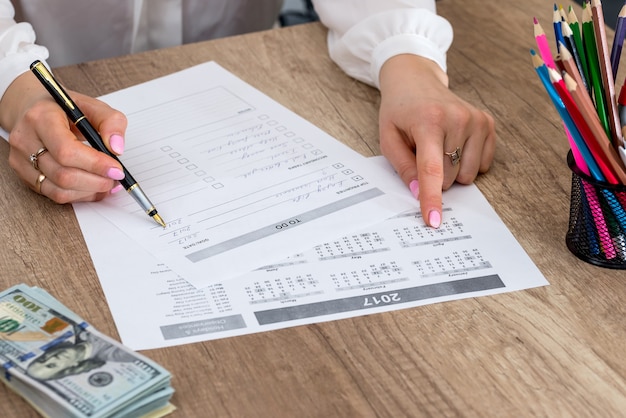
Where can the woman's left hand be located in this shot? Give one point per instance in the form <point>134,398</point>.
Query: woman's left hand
<point>430,136</point>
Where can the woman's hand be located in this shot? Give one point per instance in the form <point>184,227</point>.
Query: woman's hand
<point>65,168</point>
<point>420,121</point>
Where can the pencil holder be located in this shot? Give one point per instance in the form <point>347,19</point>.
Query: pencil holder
<point>597,221</point>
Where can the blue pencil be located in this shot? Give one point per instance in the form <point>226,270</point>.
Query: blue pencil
<point>556,23</point>
<point>578,145</point>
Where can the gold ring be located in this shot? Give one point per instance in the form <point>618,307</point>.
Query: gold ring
<point>40,180</point>
<point>455,156</point>
<point>33,157</point>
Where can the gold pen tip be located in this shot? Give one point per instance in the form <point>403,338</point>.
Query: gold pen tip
<point>158,219</point>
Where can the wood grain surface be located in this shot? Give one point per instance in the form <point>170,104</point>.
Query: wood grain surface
<point>554,351</point>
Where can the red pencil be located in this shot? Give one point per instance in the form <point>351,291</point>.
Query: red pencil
<point>586,133</point>
<point>585,107</point>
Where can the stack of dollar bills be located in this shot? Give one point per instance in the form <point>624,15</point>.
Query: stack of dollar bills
<point>65,368</point>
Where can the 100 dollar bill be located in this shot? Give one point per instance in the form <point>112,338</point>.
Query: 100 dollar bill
<point>64,364</point>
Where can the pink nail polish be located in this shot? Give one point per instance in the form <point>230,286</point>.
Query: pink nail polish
<point>414,187</point>
<point>115,173</point>
<point>434,218</point>
<point>117,188</point>
<point>117,144</point>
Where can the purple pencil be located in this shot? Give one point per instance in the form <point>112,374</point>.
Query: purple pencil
<point>618,40</point>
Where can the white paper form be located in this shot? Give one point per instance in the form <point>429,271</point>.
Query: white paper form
<point>399,263</point>
<point>239,179</point>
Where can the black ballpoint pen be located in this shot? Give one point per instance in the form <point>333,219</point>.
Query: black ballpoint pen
<point>91,134</point>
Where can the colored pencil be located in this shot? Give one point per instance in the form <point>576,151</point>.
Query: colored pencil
<point>602,229</point>
<point>618,40</point>
<point>559,87</point>
<point>584,220</point>
<point>542,71</point>
<point>614,212</point>
<point>570,48</point>
<point>620,244</point>
<point>563,14</point>
<point>602,149</point>
<point>622,198</point>
<point>566,60</point>
<point>595,151</point>
<point>621,107</point>
<point>591,51</point>
<point>605,71</point>
<point>578,40</point>
<point>583,93</point>
<point>556,24</point>
<point>542,44</point>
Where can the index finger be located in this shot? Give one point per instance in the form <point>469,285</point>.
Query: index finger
<point>430,174</point>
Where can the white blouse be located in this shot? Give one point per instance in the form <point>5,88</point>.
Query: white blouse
<point>362,35</point>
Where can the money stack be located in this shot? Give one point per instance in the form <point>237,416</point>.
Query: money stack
<point>65,368</point>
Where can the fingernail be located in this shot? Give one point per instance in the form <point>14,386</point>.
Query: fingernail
<point>117,188</point>
<point>115,173</point>
<point>117,144</point>
<point>414,187</point>
<point>434,218</point>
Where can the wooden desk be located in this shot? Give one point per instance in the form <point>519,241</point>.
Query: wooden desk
<point>551,351</point>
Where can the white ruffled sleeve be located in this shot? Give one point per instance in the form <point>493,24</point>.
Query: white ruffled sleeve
<point>363,34</point>
<point>17,46</point>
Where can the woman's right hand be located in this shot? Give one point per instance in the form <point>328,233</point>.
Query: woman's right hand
<point>73,170</point>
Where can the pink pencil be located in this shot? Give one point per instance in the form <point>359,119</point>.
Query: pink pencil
<point>542,70</point>
<point>543,45</point>
<point>578,158</point>
<point>598,218</point>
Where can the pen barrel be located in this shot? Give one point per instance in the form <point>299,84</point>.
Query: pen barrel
<point>129,183</point>
<point>141,198</point>
<point>56,91</point>
<point>77,117</point>
<point>95,140</point>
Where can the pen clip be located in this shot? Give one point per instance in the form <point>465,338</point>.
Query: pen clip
<point>57,91</point>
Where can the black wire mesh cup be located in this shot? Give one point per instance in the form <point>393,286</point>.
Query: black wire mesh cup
<point>597,221</point>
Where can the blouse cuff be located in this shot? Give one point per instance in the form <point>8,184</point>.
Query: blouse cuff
<point>20,52</point>
<point>363,49</point>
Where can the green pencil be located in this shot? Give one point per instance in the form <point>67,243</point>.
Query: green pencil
<point>578,41</point>
<point>591,51</point>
